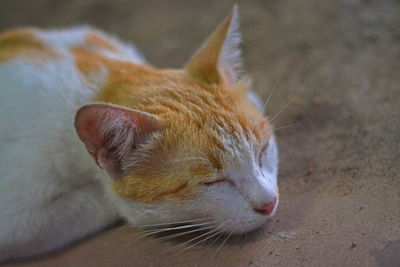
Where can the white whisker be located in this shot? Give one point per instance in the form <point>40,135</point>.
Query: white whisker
<point>272,91</point>
<point>276,114</point>
<point>155,231</point>
<point>223,243</point>
<point>215,240</point>
<point>146,233</point>
<point>169,223</point>
<point>190,240</point>
<point>195,238</point>
<point>286,126</point>
<point>181,234</point>
<point>199,242</point>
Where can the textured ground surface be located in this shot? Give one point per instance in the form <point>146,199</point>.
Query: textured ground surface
<point>340,172</point>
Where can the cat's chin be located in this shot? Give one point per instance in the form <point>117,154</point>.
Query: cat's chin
<point>228,226</point>
<point>251,225</point>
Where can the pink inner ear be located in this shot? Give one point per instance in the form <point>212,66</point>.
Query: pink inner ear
<point>95,122</point>
<point>88,126</point>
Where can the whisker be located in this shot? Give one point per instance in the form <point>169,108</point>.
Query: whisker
<point>155,231</point>
<point>181,234</point>
<point>287,126</point>
<point>190,240</point>
<point>195,238</point>
<point>272,91</point>
<point>169,223</point>
<point>147,233</point>
<point>223,243</point>
<point>199,242</point>
<point>276,114</point>
<point>283,127</point>
<point>215,240</point>
<point>238,236</point>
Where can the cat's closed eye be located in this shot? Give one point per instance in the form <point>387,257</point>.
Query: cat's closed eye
<point>217,182</point>
<point>262,155</point>
<point>268,158</point>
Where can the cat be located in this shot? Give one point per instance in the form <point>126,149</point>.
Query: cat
<point>90,133</point>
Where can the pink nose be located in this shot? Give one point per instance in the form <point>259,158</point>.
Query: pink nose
<point>267,208</point>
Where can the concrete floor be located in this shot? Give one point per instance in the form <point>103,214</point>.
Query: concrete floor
<point>339,63</point>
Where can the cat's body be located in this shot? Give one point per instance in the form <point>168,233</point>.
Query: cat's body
<point>48,181</point>
<point>169,141</point>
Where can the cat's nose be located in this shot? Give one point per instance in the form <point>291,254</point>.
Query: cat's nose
<point>267,209</point>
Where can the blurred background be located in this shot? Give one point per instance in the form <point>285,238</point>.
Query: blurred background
<point>336,69</point>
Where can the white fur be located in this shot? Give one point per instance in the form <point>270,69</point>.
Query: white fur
<point>52,192</point>
<point>253,97</point>
<point>67,38</point>
<point>49,193</point>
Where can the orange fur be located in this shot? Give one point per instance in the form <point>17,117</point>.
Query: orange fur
<point>95,40</point>
<point>190,110</point>
<point>23,42</point>
<point>207,56</point>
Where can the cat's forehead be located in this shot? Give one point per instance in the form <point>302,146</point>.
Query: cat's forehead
<point>224,139</point>
<point>221,121</point>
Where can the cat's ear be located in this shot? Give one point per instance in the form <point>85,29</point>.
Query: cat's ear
<point>110,133</point>
<point>218,59</point>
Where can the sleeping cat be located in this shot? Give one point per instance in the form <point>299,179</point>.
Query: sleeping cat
<point>90,133</point>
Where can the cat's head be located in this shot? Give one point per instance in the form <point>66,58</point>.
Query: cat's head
<point>191,147</point>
